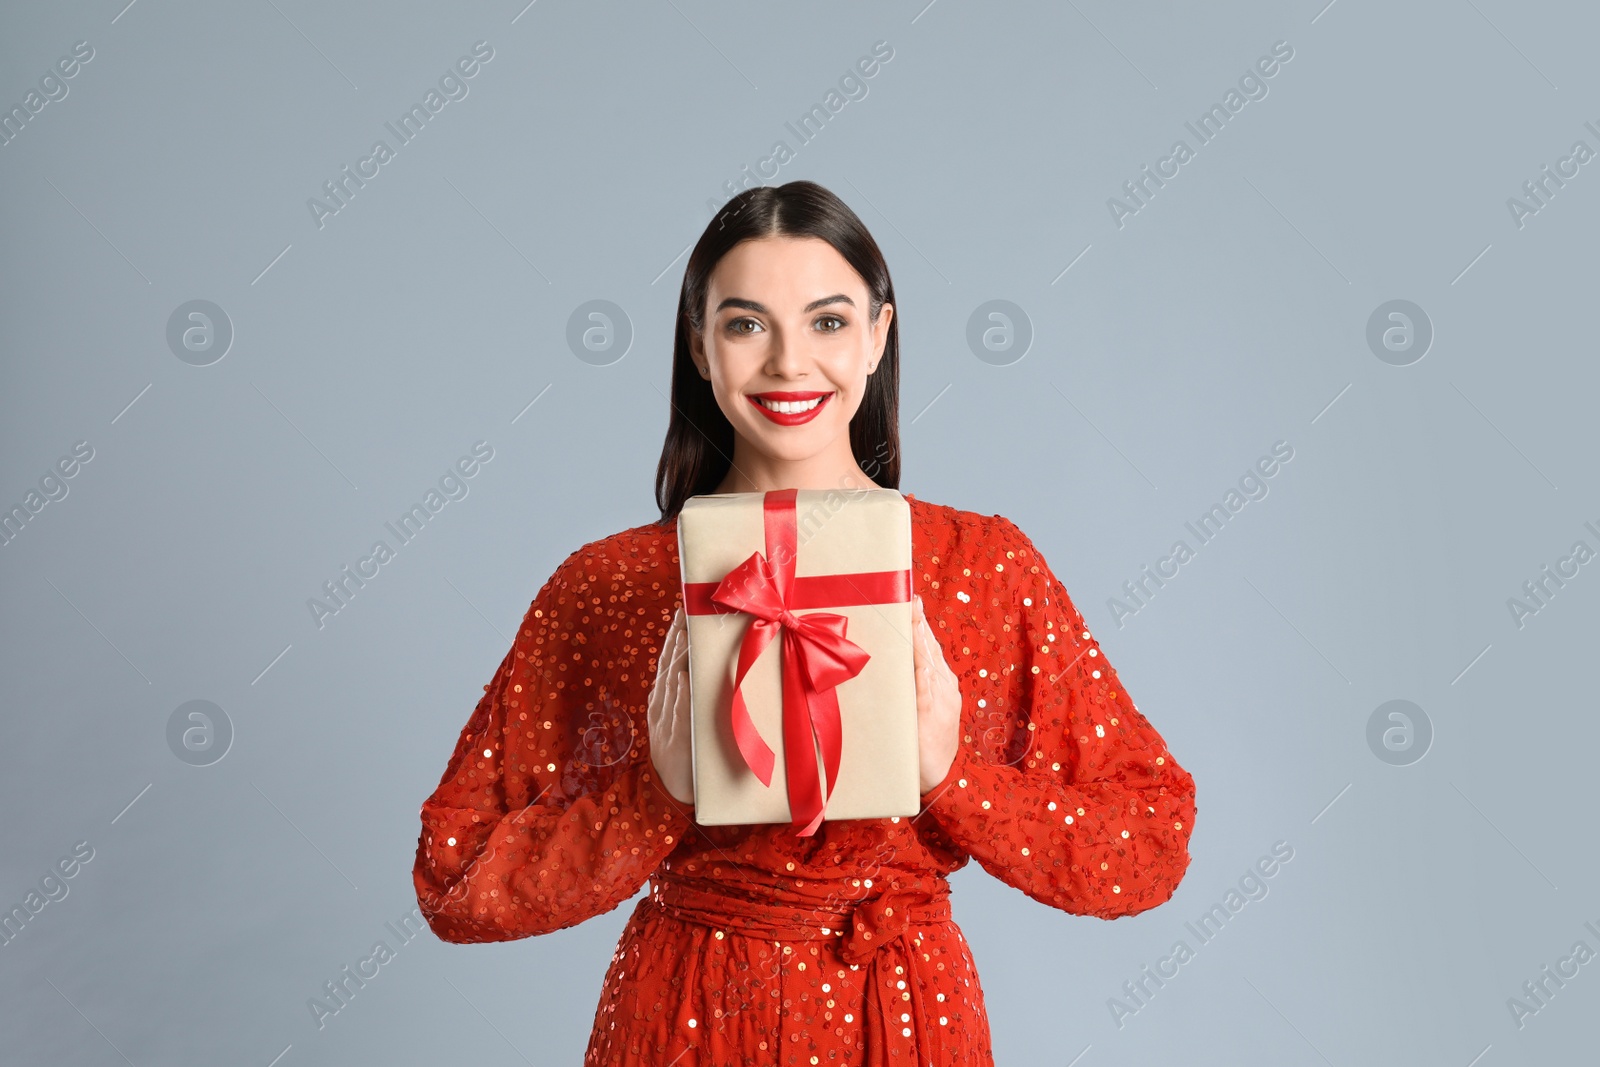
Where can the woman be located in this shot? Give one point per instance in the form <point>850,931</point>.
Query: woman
<point>571,785</point>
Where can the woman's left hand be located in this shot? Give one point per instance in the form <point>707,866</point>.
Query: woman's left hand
<point>938,702</point>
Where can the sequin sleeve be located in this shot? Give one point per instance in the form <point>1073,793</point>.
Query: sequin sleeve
<point>549,811</point>
<point>1061,788</point>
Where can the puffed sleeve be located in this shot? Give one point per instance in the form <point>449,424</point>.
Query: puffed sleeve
<point>1060,787</point>
<point>550,811</point>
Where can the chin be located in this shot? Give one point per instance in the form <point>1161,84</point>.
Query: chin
<point>791,446</point>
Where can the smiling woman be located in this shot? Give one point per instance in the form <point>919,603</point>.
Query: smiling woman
<point>759,350</point>
<point>754,944</point>
<point>787,311</point>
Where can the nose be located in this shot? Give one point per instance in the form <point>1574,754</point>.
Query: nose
<point>786,360</point>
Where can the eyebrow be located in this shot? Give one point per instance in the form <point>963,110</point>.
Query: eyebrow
<point>751,305</point>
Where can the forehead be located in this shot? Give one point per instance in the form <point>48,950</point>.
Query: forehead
<point>783,270</point>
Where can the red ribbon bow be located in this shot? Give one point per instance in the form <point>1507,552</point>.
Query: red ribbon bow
<point>817,657</point>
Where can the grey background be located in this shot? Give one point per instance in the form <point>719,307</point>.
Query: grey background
<point>369,354</point>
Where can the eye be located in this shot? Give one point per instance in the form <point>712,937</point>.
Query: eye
<point>733,325</point>
<point>833,318</point>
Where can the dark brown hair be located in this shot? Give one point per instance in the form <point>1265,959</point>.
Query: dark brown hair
<point>698,451</point>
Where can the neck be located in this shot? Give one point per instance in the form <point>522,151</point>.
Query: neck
<point>756,472</point>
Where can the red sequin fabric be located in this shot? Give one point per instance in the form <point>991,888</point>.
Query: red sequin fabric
<point>754,945</point>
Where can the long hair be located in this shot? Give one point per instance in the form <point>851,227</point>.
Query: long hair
<point>698,451</point>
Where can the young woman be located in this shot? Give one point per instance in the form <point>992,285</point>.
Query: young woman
<point>571,783</point>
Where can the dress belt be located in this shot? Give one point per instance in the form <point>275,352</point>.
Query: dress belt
<point>865,925</point>
<point>879,922</point>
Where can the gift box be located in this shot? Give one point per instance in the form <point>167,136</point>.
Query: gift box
<point>801,676</point>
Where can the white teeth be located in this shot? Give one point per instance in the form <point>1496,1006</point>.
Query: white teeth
<point>789,407</point>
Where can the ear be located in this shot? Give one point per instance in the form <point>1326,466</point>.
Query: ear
<point>697,354</point>
<point>880,335</point>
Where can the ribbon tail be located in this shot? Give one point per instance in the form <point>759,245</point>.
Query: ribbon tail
<point>827,660</point>
<point>758,755</point>
<point>806,802</point>
<point>824,709</point>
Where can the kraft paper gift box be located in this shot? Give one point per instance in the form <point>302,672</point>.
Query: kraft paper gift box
<point>799,616</point>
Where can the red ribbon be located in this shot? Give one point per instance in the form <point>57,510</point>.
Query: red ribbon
<point>817,657</point>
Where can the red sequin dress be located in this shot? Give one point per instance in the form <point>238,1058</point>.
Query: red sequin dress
<point>754,945</point>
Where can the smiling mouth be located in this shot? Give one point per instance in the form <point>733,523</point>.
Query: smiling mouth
<point>789,408</point>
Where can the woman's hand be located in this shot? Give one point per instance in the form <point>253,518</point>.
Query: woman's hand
<point>669,714</point>
<point>938,702</point>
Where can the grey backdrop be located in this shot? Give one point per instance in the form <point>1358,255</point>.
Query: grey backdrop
<point>1149,356</point>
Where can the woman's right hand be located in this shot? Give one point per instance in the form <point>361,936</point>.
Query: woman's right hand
<point>669,714</point>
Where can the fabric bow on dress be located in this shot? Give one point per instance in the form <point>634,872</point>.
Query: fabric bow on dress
<point>874,935</point>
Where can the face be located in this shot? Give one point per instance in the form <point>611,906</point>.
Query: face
<point>787,344</point>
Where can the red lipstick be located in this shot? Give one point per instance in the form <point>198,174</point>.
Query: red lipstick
<point>791,418</point>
